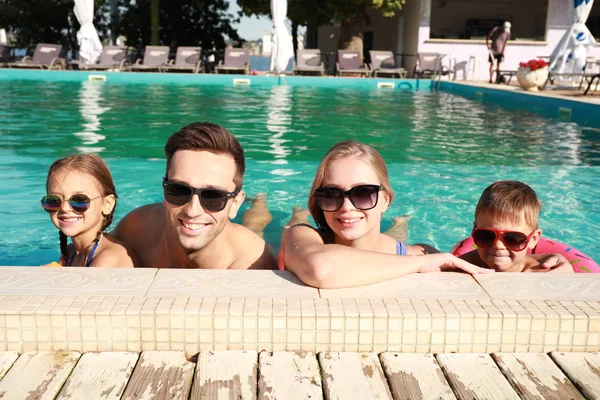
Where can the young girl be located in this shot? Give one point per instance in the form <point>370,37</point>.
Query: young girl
<point>349,195</point>
<point>81,201</point>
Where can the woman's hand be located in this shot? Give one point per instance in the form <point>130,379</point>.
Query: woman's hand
<point>449,262</point>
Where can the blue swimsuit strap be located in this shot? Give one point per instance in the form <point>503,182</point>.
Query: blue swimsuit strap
<point>90,256</point>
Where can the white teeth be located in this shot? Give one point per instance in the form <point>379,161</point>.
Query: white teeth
<point>349,221</point>
<point>194,227</point>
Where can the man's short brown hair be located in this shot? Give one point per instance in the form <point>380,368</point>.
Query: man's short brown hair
<point>205,136</point>
<point>510,201</point>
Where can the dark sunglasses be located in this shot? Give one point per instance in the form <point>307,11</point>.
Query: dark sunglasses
<point>515,241</point>
<point>363,197</point>
<point>80,203</point>
<point>179,194</point>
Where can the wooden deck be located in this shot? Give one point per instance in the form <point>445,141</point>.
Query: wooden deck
<point>296,375</point>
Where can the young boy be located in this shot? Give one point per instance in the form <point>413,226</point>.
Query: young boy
<point>506,226</point>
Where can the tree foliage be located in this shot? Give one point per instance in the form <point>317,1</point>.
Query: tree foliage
<point>182,22</point>
<point>350,13</point>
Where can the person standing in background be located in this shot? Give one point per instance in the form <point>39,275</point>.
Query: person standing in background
<point>499,37</point>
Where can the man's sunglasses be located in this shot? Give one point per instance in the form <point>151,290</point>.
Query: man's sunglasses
<point>363,197</point>
<point>80,203</point>
<point>515,241</point>
<point>179,194</point>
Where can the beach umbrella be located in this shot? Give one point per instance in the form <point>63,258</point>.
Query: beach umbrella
<point>569,55</point>
<point>281,42</point>
<point>90,47</point>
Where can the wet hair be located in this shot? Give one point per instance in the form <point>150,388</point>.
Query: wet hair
<point>94,166</point>
<point>510,201</point>
<point>204,136</point>
<point>346,149</point>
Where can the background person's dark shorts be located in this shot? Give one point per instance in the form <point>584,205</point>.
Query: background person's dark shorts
<point>498,57</point>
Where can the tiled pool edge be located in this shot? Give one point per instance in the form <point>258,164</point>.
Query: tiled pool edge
<point>243,81</point>
<point>579,110</point>
<point>301,323</point>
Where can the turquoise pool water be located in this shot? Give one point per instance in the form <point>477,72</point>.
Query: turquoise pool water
<point>442,151</point>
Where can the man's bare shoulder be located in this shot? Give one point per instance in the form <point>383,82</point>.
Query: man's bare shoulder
<point>252,252</point>
<point>140,224</point>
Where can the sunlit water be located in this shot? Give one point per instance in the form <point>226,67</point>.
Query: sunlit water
<point>442,150</point>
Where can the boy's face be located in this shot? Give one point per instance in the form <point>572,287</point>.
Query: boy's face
<point>499,257</point>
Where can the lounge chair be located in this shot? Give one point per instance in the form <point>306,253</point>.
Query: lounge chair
<point>309,62</point>
<point>430,64</point>
<point>46,56</point>
<point>592,78</point>
<point>187,59</point>
<point>384,63</point>
<point>236,61</point>
<point>154,58</point>
<point>112,57</point>
<point>350,62</point>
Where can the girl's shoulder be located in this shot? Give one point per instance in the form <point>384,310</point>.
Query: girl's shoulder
<point>113,253</point>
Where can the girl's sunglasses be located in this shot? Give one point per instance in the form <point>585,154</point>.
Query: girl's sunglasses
<point>515,241</point>
<point>80,203</point>
<point>179,194</point>
<point>363,197</point>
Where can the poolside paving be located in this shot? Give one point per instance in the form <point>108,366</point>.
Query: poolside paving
<point>298,375</point>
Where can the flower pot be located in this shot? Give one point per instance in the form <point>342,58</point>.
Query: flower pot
<point>532,80</point>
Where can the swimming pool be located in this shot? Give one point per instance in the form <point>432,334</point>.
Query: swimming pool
<point>442,150</point>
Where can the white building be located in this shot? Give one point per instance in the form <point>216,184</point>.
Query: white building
<point>458,28</point>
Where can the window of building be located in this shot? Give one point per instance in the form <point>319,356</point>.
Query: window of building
<point>473,19</point>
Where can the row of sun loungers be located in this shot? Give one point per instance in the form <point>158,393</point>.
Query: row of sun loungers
<point>188,59</point>
<point>156,58</point>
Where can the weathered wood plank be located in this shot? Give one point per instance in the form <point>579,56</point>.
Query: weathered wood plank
<point>99,376</point>
<point>7,359</point>
<point>534,376</point>
<point>226,375</point>
<point>475,376</point>
<point>415,376</point>
<point>288,375</point>
<point>38,375</point>
<point>160,375</point>
<point>583,369</point>
<point>353,376</point>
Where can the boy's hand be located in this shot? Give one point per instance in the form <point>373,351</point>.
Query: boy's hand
<point>448,262</point>
<point>553,263</point>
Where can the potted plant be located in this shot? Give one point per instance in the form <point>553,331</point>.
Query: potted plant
<point>532,74</point>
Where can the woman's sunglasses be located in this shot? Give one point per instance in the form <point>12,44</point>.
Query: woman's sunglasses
<point>80,203</point>
<point>179,194</point>
<point>515,241</point>
<point>363,197</point>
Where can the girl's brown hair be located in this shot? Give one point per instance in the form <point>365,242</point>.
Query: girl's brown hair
<point>94,166</point>
<point>345,149</point>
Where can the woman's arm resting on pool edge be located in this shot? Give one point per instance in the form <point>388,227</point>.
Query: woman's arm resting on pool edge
<point>334,266</point>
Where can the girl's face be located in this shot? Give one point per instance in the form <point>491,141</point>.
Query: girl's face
<point>349,223</point>
<point>66,183</point>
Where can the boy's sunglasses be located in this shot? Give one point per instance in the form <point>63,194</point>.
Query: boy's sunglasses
<point>51,203</point>
<point>179,194</point>
<point>515,241</point>
<point>363,197</point>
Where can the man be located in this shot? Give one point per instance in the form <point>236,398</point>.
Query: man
<point>191,228</point>
<point>499,36</point>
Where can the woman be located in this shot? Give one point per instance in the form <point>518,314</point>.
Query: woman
<point>349,195</point>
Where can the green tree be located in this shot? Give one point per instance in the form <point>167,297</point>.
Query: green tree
<point>351,14</point>
<point>300,13</point>
<point>182,23</point>
<point>45,21</point>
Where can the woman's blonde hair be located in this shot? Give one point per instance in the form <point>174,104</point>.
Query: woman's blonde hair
<point>345,149</point>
